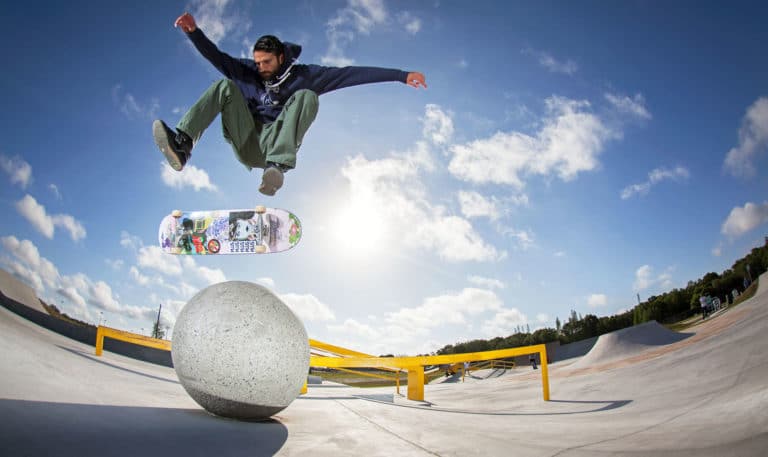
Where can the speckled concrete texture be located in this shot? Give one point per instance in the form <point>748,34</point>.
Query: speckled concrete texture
<point>239,351</point>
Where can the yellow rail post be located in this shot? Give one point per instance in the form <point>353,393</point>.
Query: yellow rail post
<point>544,371</point>
<point>416,383</point>
<point>99,340</point>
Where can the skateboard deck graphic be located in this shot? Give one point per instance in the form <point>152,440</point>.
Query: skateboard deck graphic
<point>259,230</point>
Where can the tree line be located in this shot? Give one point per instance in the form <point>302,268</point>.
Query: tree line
<point>671,306</point>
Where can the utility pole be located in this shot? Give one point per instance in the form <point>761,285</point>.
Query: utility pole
<point>156,332</point>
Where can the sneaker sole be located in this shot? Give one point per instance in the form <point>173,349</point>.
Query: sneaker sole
<point>161,140</point>
<point>271,181</point>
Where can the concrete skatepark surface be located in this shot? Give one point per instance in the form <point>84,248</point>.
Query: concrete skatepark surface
<point>703,395</point>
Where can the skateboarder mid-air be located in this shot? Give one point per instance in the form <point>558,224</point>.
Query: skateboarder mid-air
<point>266,103</point>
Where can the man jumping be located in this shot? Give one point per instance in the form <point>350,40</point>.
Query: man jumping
<point>267,104</point>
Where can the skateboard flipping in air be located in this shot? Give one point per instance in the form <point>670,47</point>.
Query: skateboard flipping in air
<point>241,231</point>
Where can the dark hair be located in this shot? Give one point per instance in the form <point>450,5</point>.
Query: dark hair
<point>269,43</point>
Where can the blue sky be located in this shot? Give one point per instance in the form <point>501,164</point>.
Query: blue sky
<point>566,155</point>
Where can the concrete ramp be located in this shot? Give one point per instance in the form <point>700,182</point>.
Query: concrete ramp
<point>628,342</point>
<point>20,292</point>
<point>762,284</point>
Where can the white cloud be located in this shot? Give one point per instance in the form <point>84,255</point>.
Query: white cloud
<point>72,294</point>
<point>216,19</point>
<point>18,169</point>
<point>633,106</point>
<point>190,176</point>
<point>654,177</point>
<point>753,139</point>
<point>115,264</point>
<point>358,17</point>
<point>353,328</point>
<point>138,277</point>
<point>308,307</point>
<point>101,296</point>
<point>518,200</point>
<point>55,191</point>
<point>438,125</point>
<point>132,108</point>
<point>504,322</point>
<point>38,270</point>
<point>744,219</point>
<point>524,238</point>
<point>473,204</point>
<point>568,143</point>
<point>35,213</point>
<point>393,187</point>
<point>79,282</point>
<point>130,241</point>
<point>411,23</point>
<point>207,275</point>
<point>154,258</point>
<point>489,283</point>
<point>70,224</point>
<point>450,308</point>
<point>597,300</point>
<point>81,293</point>
<point>365,14</point>
<point>568,67</point>
<point>644,279</point>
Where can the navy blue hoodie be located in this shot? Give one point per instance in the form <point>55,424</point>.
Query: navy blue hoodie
<point>266,98</point>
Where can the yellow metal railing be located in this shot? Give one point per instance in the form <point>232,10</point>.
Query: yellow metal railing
<point>107,332</point>
<point>415,365</point>
<point>353,359</point>
<point>493,364</point>
<point>346,353</point>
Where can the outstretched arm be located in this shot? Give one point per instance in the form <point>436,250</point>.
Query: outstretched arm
<point>326,79</point>
<point>230,67</point>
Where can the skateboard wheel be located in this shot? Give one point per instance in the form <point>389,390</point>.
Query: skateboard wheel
<point>261,209</point>
<point>260,249</point>
<point>176,213</point>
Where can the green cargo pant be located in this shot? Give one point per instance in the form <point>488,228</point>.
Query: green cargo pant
<point>254,143</point>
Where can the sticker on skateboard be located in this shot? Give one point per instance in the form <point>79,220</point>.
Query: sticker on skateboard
<point>239,231</point>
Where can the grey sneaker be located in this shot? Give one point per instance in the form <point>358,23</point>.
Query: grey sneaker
<point>175,146</point>
<point>271,180</point>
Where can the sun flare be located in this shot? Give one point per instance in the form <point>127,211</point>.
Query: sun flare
<point>359,229</point>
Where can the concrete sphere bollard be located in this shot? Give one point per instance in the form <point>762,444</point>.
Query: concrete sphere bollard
<point>239,351</point>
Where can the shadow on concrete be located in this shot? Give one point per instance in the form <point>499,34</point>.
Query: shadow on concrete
<point>337,397</point>
<point>46,428</point>
<point>607,406</point>
<point>96,359</point>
